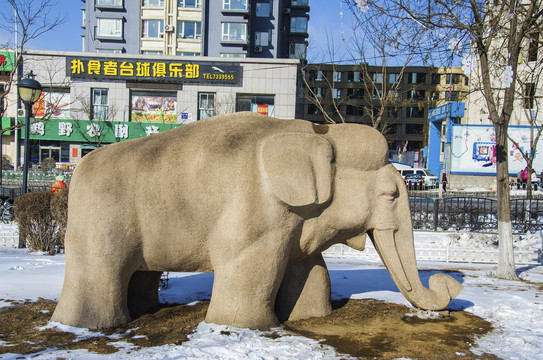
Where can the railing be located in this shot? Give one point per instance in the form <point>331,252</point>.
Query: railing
<point>473,214</point>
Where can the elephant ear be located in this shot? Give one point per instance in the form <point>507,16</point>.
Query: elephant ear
<point>299,168</point>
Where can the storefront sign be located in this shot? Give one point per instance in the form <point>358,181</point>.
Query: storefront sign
<point>153,70</point>
<point>7,61</point>
<point>95,132</point>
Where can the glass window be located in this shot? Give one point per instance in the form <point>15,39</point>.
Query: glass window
<point>455,79</point>
<point>109,28</point>
<point>206,105</point>
<point>189,30</point>
<point>233,55</point>
<point>337,76</point>
<point>153,28</point>
<point>393,78</point>
<point>299,2</point>
<point>100,104</point>
<point>416,78</point>
<point>320,76</point>
<point>234,32</point>
<point>109,3</point>
<point>298,25</point>
<point>153,3</point>
<point>262,38</point>
<point>355,93</point>
<point>152,52</point>
<point>377,94</point>
<point>235,4</point>
<point>263,9</point>
<point>436,79</point>
<point>377,78</point>
<point>320,92</point>
<point>353,76</point>
<point>189,4</point>
<point>262,104</point>
<point>413,112</point>
<point>109,51</point>
<point>297,50</point>
<point>337,93</point>
<point>184,53</point>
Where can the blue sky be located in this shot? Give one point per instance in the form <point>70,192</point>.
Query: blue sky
<point>324,23</point>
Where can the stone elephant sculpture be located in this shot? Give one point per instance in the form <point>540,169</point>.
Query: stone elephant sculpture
<point>251,198</point>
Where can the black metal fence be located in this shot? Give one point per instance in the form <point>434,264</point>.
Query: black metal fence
<point>473,214</point>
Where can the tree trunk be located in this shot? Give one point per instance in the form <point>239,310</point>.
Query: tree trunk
<point>506,258</point>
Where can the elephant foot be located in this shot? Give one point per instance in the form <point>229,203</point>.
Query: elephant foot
<point>143,292</point>
<point>305,291</point>
<point>88,305</point>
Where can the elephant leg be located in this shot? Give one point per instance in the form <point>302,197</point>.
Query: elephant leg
<point>245,287</point>
<point>95,287</point>
<point>143,292</point>
<point>305,291</point>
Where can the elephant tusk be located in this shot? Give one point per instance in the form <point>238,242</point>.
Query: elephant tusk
<point>385,244</point>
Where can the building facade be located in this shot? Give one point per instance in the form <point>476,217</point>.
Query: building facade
<point>90,100</point>
<point>216,28</point>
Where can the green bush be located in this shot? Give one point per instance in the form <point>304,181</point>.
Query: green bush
<point>36,214</point>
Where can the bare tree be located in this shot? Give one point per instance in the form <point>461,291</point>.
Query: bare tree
<point>25,20</point>
<point>495,32</point>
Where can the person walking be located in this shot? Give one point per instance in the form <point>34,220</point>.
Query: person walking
<point>444,182</point>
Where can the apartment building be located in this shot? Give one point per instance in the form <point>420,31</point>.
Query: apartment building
<point>217,28</point>
<point>357,93</point>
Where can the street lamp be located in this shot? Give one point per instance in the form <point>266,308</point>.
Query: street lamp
<point>29,91</point>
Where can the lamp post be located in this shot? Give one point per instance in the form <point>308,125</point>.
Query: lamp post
<point>29,91</point>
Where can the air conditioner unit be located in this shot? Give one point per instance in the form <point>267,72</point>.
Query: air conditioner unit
<point>258,49</point>
<point>168,28</point>
<point>286,11</point>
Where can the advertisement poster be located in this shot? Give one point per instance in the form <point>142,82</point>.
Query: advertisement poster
<point>55,104</point>
<point>474,150</point>
<point>154,108</point>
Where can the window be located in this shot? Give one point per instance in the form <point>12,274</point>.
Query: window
<point>206,105</point>
<point>189,4</point>
<point>84,19</point>
<point>153,3</point>
<point>111,28</point>
<point>109,51</point>
<point>313,109</point>
<point>415,94</point>
<point>262,104</point>
<point>533,48</point>
<point>189,30</point>
<point>337,76</point>
<point>234,32</point>
<point>234,4</point>
<point>297,51</point>
<point>414,112</point>
<point>153,106</point>
<point>263,9</point>
<point>320,75</point>
<point>393,78</point>
<point>152,52</point>
<point>153,29</point>
<point>337,93</point>
<point>377,94</point>
<point>529,96</point>
<point>298,25</point>
<point>233,55</point>
<point>100,104</point>
<point>112,3</point>
<point>436,79</point>
<point>414,129</point>
<point>320,92</point>
<point>452,95</point>
<point>262,38</point>
<point>377,78</point>
<point>354,110</point>
<point>416,78</point>
<point>355,93</point>
<point>299,2</point>
<point>353,76</point>
<point>455,79</point>
<point>181,53</point>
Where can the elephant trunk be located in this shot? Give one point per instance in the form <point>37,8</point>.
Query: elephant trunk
<point>397,251</point>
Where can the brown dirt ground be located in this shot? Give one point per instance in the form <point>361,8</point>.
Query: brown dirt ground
<point>367,329</point>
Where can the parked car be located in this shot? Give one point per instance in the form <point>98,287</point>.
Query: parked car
<point>414,181</point>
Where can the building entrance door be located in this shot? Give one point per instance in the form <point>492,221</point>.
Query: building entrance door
<point>49,152</point>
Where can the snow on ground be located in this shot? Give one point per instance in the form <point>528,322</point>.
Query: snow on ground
<point>514,307</point>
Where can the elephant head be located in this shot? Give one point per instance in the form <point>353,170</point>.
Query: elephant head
<point>340,181</point>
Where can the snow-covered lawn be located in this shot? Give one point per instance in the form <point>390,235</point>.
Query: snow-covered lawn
<point>514,308</point>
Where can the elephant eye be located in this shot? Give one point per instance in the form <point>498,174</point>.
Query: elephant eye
<point>388,190</point>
